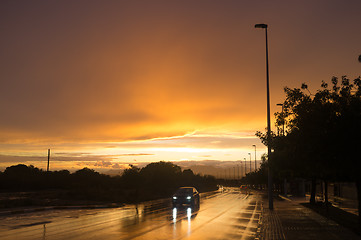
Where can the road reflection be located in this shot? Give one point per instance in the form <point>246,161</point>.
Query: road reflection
<point>183,214</point>
<point>179,214</point>
<point>44,231</point>
<point>189,215</point>
<point>148,220</point>
<point>174,215</point>
<point>220,215</point>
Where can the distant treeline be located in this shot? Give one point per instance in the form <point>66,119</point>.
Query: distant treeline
<point>156,180</point>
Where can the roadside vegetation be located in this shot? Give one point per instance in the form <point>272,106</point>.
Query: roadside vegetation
<point>23,185</point>
<point>320,140</point>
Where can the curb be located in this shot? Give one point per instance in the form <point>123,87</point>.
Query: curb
<point>284,198</point>
<point>259,233</point>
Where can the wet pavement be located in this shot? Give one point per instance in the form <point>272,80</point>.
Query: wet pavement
<point>290,220</point>
<point>222,215</point>
<point>227,214</point>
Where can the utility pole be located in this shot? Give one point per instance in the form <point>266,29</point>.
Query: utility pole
<point>48,160</point>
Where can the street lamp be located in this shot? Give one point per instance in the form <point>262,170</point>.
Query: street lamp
<point>250,162</point>
<point>255,157</point>
<point>270,196</point>
<point>238,171</point>
<point>245,167</point>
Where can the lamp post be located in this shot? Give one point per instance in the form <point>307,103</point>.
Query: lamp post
<point>238,171</point>
<point>250,162</point>
<point>255,157</point>
<point>245,167</point>
<point>270,195</point>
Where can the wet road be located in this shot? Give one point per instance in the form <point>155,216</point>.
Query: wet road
<point>222,215</point>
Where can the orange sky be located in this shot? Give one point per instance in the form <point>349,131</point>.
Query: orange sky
<point>158,80</point>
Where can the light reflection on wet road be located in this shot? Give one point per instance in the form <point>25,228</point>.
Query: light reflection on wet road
<point>222,215</point>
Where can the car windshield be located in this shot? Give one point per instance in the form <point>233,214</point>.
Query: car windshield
<point>184,191</point>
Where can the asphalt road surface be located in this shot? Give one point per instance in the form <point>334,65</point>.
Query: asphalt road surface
<point>227,214</point>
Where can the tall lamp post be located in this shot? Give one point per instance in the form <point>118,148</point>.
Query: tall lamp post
<point>238,171</point>
<point>255,157</point>
<point>245,167</point>
<point>270,195</point>
<point>250,162</point>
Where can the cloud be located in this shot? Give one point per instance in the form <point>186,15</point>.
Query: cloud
<point>199,145</point>
<point>121,86</point>
<point>140,78</point>
<point>116,165</point>
<point>105,164</point>
<point>199,139</point>
<point>132,154</point>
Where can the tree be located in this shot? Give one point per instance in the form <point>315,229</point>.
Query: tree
<point>89,178</point>
<point>22,177</point>
<point>131,177</point>
<point>322,134</point>
<point>347,96</point>
<point>161,175</point>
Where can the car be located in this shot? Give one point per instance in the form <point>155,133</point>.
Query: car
<point>244,189</point>
<point>186,197</point>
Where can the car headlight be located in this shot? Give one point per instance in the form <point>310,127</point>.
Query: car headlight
<point>174,197</point>
<point>189,197</point>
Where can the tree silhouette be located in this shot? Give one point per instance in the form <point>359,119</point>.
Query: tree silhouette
<point>322,134</point>
<point>156,180</point>
<point>21,177</point>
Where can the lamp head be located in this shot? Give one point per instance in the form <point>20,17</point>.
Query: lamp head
<point>260,25</point>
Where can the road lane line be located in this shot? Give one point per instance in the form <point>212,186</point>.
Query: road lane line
<point>249,222</point>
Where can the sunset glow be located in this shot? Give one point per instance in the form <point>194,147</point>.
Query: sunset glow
<point>107,84</point>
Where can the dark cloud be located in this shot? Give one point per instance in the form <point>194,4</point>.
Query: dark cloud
<point>140,71</point>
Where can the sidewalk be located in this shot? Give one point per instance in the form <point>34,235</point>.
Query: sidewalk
<point>292,221</point>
